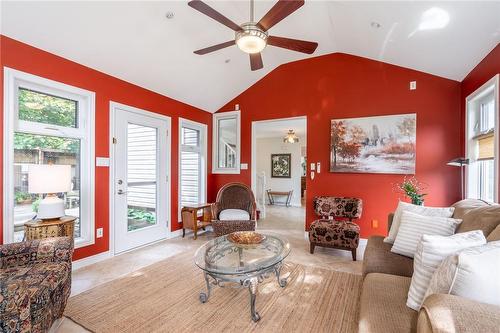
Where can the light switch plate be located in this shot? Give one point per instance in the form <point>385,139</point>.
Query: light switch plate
<point>313,166</point>
<point>244,166</point>
<point>100,232</point>
<point>413,85</point>
<point>102,161</point>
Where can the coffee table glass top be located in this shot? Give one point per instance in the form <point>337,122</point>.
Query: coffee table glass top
<point>220,256</point>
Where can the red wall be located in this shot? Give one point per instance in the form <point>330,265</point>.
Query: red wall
<point>26,58</point>
<point>344,86</point>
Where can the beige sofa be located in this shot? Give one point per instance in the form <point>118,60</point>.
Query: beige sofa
<point>387,278</point>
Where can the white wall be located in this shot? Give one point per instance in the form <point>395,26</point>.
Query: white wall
<point>268,146</point>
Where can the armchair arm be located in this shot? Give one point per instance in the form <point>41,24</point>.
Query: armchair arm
<point>253,211</point>
<point>215,210</point>
<point>448,313</point>
<point>54,249</point>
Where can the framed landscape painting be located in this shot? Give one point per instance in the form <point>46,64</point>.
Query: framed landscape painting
<point>382,144</point>
<point>281,165</point>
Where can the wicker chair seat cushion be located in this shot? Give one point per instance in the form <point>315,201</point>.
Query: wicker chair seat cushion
<point>234,215</point>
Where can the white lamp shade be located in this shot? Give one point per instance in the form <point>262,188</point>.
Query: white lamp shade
<point>45,178</point>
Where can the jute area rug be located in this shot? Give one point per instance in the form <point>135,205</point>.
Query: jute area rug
<point>163,297</point>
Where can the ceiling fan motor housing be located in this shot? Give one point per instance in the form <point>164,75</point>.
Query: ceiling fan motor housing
<point>251,39</point>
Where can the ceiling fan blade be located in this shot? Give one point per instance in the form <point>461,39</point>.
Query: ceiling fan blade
<point>255,61</point>
<point>209,11</point>
<point>278,12</point>
<point>293,44</point>
<point>214,47</point>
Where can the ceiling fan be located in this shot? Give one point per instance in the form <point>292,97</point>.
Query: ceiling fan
<point>252,37</point>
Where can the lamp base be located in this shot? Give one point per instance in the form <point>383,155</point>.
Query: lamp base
<point>51,207</point>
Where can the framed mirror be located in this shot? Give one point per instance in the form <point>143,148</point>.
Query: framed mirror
<point>226,142</point>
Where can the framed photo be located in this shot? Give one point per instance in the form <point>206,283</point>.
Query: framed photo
<point>281,165</point>
<point>381,144</point>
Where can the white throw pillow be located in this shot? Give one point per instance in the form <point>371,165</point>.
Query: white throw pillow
<point>413,226</point>
<point>431,251</point>
<point>234,215</point>
<point>421,210</point>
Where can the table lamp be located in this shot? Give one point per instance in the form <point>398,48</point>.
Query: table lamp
<point>49,179</point>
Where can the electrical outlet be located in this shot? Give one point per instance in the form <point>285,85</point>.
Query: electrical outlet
<point>99,232</point>
<point>413,85</point>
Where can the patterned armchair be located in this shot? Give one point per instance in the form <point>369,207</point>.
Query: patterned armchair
<point>339,232</point>
<point>35,283</point>
<point>233,198</point>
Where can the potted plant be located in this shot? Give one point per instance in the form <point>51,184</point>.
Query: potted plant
<point>412,188</point>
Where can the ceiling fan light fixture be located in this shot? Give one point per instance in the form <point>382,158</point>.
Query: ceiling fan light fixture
<point>251,39</point>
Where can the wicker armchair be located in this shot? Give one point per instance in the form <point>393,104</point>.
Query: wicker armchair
<point>35,283</point>
<point>234,196</point>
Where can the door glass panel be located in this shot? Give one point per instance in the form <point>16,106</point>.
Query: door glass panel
<point>141,176</point>
<point>227,143</point>
<point>43,149</point>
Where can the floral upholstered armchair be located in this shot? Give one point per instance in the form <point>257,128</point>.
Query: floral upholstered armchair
<point>35,283</point>
<point>335,227</point>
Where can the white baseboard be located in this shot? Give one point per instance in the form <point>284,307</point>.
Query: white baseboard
<point>77,264</point>
<point>176,233</point>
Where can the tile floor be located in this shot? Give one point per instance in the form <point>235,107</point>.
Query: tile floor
<point>287,222</point>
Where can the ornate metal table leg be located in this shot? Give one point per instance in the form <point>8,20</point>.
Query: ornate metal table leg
<point>252,288</point>
<point>204,297</point>
<point>277,270</point>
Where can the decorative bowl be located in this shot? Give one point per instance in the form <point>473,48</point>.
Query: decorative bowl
<point>246,238</point>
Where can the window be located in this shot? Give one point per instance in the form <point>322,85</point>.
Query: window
<point>192,162</point>
<point>482,138</point>
<point>47,122</point>
<point>226,142</point>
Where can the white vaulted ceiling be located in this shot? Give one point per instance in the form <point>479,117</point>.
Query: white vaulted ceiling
<point>135,42</point>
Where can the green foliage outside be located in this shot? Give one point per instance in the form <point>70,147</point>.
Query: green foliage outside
<point>141,215</point>
<point>21,196</point>
<point>41,108</point>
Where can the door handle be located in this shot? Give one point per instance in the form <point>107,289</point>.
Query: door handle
<point>121,192</point>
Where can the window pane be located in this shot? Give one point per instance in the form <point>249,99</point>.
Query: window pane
<point>41,149</point>
<point>141,176</point>
<point>190,137</point>
<point>42,108</point>
<point>190,178</point>
<point>227,143</point>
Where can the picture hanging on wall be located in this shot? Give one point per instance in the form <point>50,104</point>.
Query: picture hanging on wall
<point>281,165</point>
<point>381,144</point>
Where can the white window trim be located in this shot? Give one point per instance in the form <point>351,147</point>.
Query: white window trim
<point>215,144</point>
<point>203,128</point>
<point>480,92</point>
<point>12,80</point>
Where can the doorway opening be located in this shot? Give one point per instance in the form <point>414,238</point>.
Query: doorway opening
<point>279,173</point>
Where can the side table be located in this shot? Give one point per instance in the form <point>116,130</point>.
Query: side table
<point>60,227</point>
<point>190,219</point>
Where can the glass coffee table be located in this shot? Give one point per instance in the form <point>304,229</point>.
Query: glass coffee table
<point>243,265</point>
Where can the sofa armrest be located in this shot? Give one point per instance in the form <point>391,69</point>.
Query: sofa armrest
<point>54,249</point>
<point>448,313</point>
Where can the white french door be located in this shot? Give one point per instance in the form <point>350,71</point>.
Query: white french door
<point>140,177</point>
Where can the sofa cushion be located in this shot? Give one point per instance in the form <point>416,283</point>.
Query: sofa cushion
<point>234,215</point>
<point>462,207</point>
<point>378,258</point>
<point>35,291</point>
<point>485,218</point>
<point>494,235</point>
<point>383,305</point>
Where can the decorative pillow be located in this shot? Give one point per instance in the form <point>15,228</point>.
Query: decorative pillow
<point>234,215</point>
<point>431,250</point>
<point>413,226</point>
<point>473,273</point>
<point>421,210</point>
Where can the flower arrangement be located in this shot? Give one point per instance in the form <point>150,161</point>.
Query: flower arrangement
<point>412,188</point>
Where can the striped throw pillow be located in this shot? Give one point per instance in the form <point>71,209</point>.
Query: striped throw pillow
<point>413,226</point>
<point>431,251</point>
